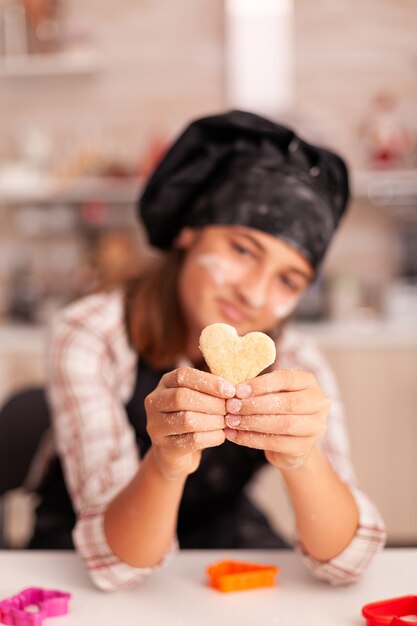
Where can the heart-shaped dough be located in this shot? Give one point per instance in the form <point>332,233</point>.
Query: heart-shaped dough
<point>236,358</point>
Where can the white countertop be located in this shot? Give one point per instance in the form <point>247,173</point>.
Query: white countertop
<point>179,594</point>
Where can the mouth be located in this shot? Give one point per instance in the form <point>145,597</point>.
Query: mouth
<point>231,312</point>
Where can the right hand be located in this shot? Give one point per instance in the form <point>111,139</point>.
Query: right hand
<point>185,414</point>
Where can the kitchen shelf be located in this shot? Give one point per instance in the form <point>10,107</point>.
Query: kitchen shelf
<point>393,190</point>
<point>112,190</point>
<point>387,188</point>
<point>376,334</point>
<point>79,61</point>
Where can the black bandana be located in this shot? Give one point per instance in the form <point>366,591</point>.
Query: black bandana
<point>241,169</point>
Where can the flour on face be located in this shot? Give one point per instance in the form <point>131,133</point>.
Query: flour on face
<point>285,308</point>
<point>224,272</point>
<point>217,267</point>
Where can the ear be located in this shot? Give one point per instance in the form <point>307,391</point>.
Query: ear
<point>186,238</point>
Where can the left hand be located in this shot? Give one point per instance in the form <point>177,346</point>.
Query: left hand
<point>283,413</point>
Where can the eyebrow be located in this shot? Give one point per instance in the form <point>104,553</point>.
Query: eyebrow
<point>260,247</point>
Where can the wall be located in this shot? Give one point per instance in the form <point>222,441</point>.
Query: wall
<point>346,53</point>
<point>162,64</point>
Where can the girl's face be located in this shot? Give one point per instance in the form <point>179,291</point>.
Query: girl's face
<point>239,276</point>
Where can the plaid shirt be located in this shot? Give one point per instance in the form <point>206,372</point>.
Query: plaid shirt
<point>91,376</point>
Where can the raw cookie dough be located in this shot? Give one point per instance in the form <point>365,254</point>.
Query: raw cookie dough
<point>236,358</point>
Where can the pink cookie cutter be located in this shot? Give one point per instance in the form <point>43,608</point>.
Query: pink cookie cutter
<point>49,603</point>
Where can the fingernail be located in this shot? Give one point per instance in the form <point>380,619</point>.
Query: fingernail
<point>232,420</point>
<point>244,390</point>
<point>228,389</point>
<point>234,405</point>
<point>230,434</point>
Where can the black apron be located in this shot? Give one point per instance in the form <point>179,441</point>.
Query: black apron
<point>214,511</point>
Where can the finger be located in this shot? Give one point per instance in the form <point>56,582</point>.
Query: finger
<point>189,442</point>
<point>305,402</point>
<point>182,422</point>
<point>291,425</point>
<point>199,381</point>
<point>293,446</point>
<point>274,382</point>
<point>184,399</point>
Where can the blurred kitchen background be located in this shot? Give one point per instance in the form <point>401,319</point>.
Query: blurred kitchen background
<point>92,92</point>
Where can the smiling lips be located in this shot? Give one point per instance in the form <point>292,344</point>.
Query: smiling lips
<point>231,312</point>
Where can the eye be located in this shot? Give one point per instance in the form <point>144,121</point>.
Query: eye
<point>241,249</point>
<point>290,284</point>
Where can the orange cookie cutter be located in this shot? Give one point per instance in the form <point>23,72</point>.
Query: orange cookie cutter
<point>240,575</point>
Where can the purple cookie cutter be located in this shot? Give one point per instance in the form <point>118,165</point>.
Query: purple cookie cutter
<point>49,603</point>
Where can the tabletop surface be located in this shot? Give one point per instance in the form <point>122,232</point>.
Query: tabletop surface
<point>178,595</point>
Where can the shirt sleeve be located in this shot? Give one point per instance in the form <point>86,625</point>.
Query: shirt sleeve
<point>95,442</point>
<point>370,536</point>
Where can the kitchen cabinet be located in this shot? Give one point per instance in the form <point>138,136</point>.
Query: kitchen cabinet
<point>375,365</point>
<point>379,390</point>
<point>22,358</point>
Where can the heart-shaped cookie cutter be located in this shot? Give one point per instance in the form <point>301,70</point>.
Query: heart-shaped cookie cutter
<point>389,612</point>
<point>48,602</point>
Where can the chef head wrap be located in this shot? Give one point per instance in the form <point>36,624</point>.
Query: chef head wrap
<point>242,169</point>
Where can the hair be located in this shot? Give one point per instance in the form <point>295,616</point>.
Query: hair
<point>155,324</point>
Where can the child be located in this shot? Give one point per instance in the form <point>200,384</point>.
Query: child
<point>156,449</point>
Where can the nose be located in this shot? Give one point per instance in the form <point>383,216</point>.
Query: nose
<point>253,289</point>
